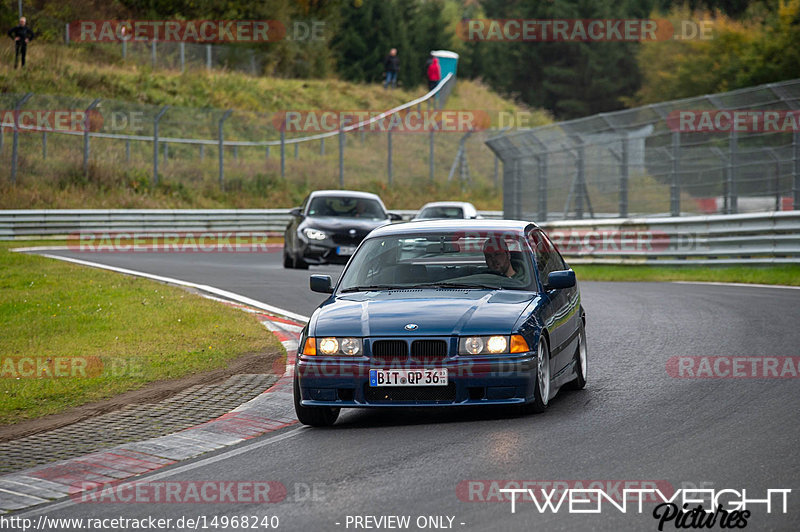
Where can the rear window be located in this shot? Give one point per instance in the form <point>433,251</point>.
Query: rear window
<point>441,212</point>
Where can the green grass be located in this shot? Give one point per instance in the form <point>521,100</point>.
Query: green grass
<point>140,331</point>
<point>778,275</point>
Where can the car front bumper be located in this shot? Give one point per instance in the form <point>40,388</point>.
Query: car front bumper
<point>344,382</point>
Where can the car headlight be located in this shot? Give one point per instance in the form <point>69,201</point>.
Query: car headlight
<point>314,234</point>
<point>491,345</point>
<point>334,346</point>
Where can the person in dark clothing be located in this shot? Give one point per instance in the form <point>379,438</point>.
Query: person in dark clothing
<point>391,66</point>
<point>22,35</point>
<point>433,71</point>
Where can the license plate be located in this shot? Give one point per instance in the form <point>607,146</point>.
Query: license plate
<point>345,250</point>
<point>408,377</point>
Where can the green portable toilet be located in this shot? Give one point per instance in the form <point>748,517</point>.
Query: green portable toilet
<point>448,61</point>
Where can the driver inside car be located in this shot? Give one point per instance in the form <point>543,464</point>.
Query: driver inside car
<point>498,257</point>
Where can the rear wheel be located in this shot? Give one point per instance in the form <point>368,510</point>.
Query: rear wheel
<point>580,361</point>
<point>541,393</point>
<point>315,416</point>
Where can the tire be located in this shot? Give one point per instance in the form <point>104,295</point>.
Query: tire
<point>581,362</point>
<point>300,264</point>
<point>315,416</point>
<point>541,393</point>
<point>287,260</point>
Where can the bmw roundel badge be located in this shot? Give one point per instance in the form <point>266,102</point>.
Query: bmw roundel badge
<point>411,327</point>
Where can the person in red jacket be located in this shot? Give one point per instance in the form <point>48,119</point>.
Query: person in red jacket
<point>434,72</point>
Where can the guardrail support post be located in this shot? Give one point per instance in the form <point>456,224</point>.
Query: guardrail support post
<point>430,148</point>
<point>296,149</point>
<point>15,143</point>
<point>389,154</point>
<point>222,149</point>
<point>208,57</point>
<point>202,152</point>
<point>733,147</point>
<point>124,48</point>
<point>182,47</point>
<point>86,127</point>
<point>44,145</point>
<point>322,146</point>
<point>675,185</point>
<point>155,143</point>
<point>153,53</point>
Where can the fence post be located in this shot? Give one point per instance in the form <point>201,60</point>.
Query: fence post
<point>541,162</point>
<point>182,46</point>
<point>236,153</point>
<point>202,152</point>
<point>733,147</point>
<point>124,48</point>
<point>796,170</point>
<point>154,53</point>
<point>15,144</point>
<point>516,189</point>
<point>580,182</point>
<point>208,57</point>
<point>430,147</point>
<point>166,151</point>
<point>222,149</point>
<point>44,145</point>
<point>155,143</point>
<point>127,150</point>
<point>296,149</point>
<point>389,153</point>
<point>2,137</point>
<point>66,33</point>
<point>322,146</point>
<point>283,152</point>
<point>267,154</point>
<point>675,185</point>
<point>623,179</point>
<point>86,127</point>
<point>341,155</point>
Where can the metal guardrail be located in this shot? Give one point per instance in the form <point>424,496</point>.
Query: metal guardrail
<point>762,238</point>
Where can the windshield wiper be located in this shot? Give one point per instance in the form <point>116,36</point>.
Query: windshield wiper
<point>458,285</point>
<point>366,288</point>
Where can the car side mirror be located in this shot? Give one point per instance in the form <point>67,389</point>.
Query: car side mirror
<point>296,212</point>
<point>560,279</point>
<point>393,216</point>
<point>321,284</point>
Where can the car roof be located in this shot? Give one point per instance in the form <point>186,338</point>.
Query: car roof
<point>450,224</point>
<point>346,193</point>
<point>446,204</point>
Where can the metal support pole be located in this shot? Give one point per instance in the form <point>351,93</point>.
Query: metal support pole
<point>124,49</point>
<point>154,53</point>
<point>222,149</point>
<point>322,146</point>
<point>580,182</point>
<point>208,56</point>
<point>675,185</point>
<point>296,149</point>
<point>66,33</point>
<point>155,143</point>
<point>166,154</point>
<point>517,185</point>
<point>44,145</point>
<point>283,152</point>
<point>236,152</point>
<point>430,149</point>
<point>541,169</point>
<point>86,127</point>
<point>19,7</point>
<point>733,147</point>
<point>341,156</point>
<point>127,151</point>
<point>389,154</point>
<point>623,179</point>
<point>182,47</point>
<point>202,152</point>
<point>796,170</point>
<point>2,135</point>
<point>267,152</point>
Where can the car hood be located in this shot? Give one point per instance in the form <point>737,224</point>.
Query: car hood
<point>436,312</point>
<point>338,223</point>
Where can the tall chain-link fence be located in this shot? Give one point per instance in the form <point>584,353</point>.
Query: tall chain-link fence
<point>723,153</point>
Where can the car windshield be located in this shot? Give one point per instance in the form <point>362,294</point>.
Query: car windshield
<point>441,212</point>
<point>346,207</point>
<point>458,259</point>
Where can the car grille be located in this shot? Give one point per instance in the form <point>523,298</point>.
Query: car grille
<point>399,394</point>
<point>390,349</point>
<point>429,349</point>
<point>347,240</point>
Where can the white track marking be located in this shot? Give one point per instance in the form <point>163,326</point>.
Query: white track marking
<point>713,283</point>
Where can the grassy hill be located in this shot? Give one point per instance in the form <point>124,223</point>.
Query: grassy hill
<point>78,74</point>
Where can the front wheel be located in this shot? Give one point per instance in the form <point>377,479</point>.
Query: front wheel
<point>541,393</point>
<point>315,416</point>
<point>581,362</point>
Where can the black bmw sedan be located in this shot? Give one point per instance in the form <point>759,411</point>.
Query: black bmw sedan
<point>329,225</point>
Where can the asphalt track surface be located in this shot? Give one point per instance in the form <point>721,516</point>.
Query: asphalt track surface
<point>632,422</point>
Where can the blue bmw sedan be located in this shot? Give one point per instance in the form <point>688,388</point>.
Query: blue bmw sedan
<point>443,313</point>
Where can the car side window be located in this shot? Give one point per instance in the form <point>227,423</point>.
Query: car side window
<point>547,257</point>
